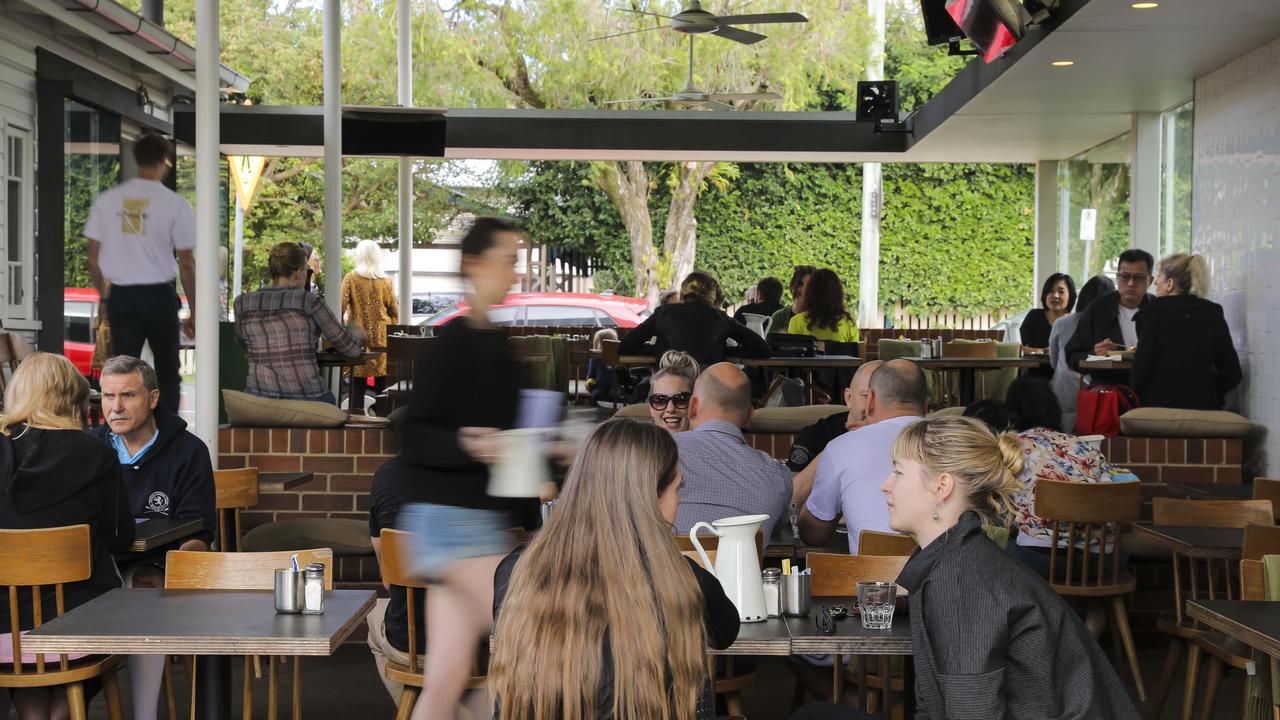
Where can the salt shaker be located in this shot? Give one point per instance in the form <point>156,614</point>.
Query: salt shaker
<point>313,589</point>
<point>772,580</point>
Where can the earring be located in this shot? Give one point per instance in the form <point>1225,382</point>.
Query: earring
<point>937,515</point>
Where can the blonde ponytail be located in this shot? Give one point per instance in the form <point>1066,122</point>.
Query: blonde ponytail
<point>1189,272</point>
<point>988,468</point>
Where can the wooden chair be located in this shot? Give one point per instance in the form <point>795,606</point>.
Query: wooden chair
<point>236,490</point>
<point>1083,514</point>
<point>874,542</point>
<point>397,549</point>
<point>833,575</point>
<point>1268,489</point>
<point>609,352</point>
<point>52,556</point>
<point>244,571</point>
<point>1182,631</point>
<point>1224,652</point>
<point>712,542</point>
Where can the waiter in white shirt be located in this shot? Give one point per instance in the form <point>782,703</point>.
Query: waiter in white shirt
<point>134,231</point>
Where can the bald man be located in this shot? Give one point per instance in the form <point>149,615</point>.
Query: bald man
<point>854,465</point>
<point>811,441</point>
<point>723,476</point>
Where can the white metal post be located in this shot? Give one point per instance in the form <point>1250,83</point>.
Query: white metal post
<point>1169,199</point>
<point>237,263</point>
<point>1046,247</point>
<point>404,59</point>
<point>1064,220</point>
<point>208,165</point>
<point>332,153</point>
<point>872,195</point>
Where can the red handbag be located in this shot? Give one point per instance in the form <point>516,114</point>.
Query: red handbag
<point>1099,407</point>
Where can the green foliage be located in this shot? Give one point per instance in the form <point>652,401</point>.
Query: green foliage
<point>86,176</point>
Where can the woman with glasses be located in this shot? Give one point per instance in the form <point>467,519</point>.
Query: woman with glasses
<point>670,390</point>
<point>1185,357</point>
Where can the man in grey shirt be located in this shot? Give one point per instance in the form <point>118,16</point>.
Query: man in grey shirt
<point>723,476</point>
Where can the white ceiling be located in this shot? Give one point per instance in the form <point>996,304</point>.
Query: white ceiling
<point>1126,61</point>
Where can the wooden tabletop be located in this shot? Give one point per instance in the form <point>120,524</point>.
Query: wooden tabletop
<point>817,361</point>
<point>849,638</point>
<point>157,532</point>
<point>1087,365</point>
<point>281,481</point>
<point>972,363</point>
<point>1211,491</point>
<point>1198,541</point>
<point>770,637</point>
<point>200,622</point>
<point>1255,623</point>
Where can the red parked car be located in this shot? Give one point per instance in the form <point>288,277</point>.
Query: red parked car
<point>79,325</point>
<point>559,310</point>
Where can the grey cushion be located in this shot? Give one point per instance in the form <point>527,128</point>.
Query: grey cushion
<point>790,419</point>
<point>637,411</point>
<point>345,536</point>
<point>245,410</point>
<point>1173,422</point>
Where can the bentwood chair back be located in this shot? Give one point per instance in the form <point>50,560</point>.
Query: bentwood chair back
<point>1253,584</point>
<point>29,561</point>
<point>396,560</point>
<point>185,570</point>
<point>1183,634</point>
<point>1086,517</point>
<point>983,350</point>
<point>874,542</point>
<point>235,490</point>
<point>1268,489</point>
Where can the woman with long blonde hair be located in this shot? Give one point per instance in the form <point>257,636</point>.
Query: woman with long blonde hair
<point>599,616</point>
<point>990,638</point>
<point>53,474</point>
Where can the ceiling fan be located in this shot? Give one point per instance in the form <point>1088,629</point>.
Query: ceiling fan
<point>696,21</point>
<point>691,95</point>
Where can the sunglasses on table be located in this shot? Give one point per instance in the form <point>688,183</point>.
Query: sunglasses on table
<point>659,402</point>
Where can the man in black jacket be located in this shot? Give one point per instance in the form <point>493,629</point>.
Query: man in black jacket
<point>1108,324</point>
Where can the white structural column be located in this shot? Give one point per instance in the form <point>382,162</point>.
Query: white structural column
<point>1046,255</point>
<point>208,165</point>
<point>404,59</point>
<point>332,154</point>
<point>872,196</point>
<point>1144,183</point>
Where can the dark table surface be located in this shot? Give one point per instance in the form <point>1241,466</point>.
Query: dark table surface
<point>1255,623</point>
<point>760,638</point>
<point>333,359</point>
<point>1087,365</point>
<point>849,638</point>
<point>281,481</point>
<point>200,622</point>
<point>1198,541</point>
<point>972,363</point>
<point>1211,491</point>
<point>157,532</point>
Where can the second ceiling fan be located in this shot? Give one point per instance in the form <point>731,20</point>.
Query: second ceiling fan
<point>693,20</point>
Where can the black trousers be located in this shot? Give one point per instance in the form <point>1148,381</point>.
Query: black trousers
<point>827,711</point>
<point>148,313</point>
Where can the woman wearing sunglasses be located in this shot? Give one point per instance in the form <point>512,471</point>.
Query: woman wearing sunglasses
<point>670,390</point>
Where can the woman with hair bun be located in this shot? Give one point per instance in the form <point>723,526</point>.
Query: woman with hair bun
<point>990,639</point>
<point>1185,357</point>
<point>696,325</point>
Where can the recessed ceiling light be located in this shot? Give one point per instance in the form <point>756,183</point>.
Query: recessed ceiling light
<point>1144,5</point>
<point>1063,63</point>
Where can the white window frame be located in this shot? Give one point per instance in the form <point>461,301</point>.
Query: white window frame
<point>23,268</point>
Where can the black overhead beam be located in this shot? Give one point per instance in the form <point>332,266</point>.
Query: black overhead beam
<point>290,130</point>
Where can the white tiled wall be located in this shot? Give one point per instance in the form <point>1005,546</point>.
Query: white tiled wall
<point>1236,219</point>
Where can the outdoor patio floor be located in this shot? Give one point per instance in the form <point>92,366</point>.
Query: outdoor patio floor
<point>346,686</point>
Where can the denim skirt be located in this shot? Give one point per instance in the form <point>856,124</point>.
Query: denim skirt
<point>445,534</point>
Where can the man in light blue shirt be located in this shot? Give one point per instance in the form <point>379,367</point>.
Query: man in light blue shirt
<point>723,475</point>
<point>854,465</point>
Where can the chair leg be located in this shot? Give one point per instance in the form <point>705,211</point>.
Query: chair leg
<point>192,680</point>
<point>1212,679</point>
<point>837,679</point>
<point>1189,692</point>
<point>111,692</point>
<point>1171,661</point>
<point>733,703</point>
<point>408,698</point>
<point>297,688</point>
<point>272,711</point>
<point>257,667</point>
<point>246,695</point>
<point>75,701</point>
<point>166,683</point>
<point>1121,629</point>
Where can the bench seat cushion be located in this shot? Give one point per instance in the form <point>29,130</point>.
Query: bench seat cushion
<point>1174,422</point>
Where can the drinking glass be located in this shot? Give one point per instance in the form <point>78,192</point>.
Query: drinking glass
<point>876,601</point>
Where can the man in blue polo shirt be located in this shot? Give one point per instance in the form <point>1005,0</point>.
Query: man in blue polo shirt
<point>168,474</point>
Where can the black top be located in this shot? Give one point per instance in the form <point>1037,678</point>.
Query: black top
<point>695,328</point>
<point>1185,357</point>
<point>465,377</point>
<point>391,485</point>
<point>813,440</point>
<point>53,478</point>
<point>991,639</point>
<point>1100,321</point>
<point>720,619</point>
<point>173,478</point>
<point>766,309</point>
<point>1035,329</point>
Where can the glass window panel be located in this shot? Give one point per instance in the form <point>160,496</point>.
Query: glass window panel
<point>564,315</point>
<point>1097,181</point>
<point>1175,176</point>
<point>503,315</point>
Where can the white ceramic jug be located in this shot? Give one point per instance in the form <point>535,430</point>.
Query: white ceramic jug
<point>737,564</point>
<point>758,324</point>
